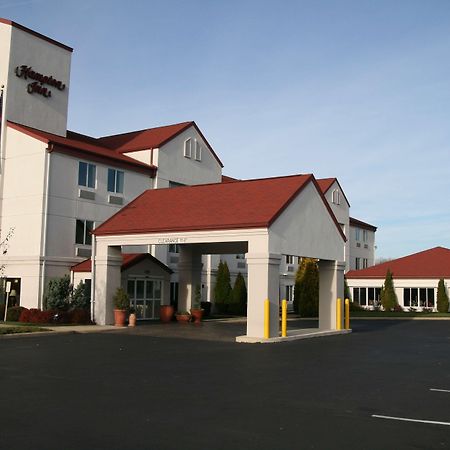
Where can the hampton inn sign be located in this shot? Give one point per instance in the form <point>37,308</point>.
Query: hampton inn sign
<point>37,86</point>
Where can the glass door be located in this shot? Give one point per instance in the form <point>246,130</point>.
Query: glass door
<point>145,296</point>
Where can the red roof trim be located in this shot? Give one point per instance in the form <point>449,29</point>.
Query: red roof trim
<point>91,153</point>
<point>111,161</point>
<point>184,127</point>
<point>122,225</point>
<point>433,263</point>
<point>35,33</point>
<point>129,260</point>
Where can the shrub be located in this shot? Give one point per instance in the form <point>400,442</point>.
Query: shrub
<point>306,292</point>
<point>121,299</point>
<point>355,306</point>
<point>81,297</point>
<point>34,315</point>
<point>2,311</point>
<point>442,297</point>
<point>222,289</point>
<point>80,316</point>
<point>238,304</point>
<point>58,293</point>
<point>388,296</point>
<point>13,313</point>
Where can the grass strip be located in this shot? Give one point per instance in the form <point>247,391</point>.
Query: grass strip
<point>21,329</point>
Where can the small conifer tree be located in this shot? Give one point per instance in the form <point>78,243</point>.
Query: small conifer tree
<point>388,295</point>
<point>222,289</point>
<point>59,291</point>
<point>238,303</point>
<point>306,293</point>
<point>442,297</point>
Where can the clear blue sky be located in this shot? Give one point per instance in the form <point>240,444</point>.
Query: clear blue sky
<point>359,90</point>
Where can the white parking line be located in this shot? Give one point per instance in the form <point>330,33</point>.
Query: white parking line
<point>439,390</point>
<point>404,419</point>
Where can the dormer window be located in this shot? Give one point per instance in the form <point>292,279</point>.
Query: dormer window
<point>187,148</point>
<point>198,151</point>
<point>336,197</point>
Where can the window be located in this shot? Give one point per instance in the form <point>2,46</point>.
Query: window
<point>174,248</point>
<point>290,259</point>
<point>83,232</point>
<point>336,197</point>
<point>357,263</point>
<point>115,181</point>
<point>367,296</point>
<point>290,293</point>
<point>357,234</point>
<point>86,174</point>
<point>365,235</point>
<point>365,263</point>
<point>418,297</point>
<point>198,151</point>
<point>187,148</point>
<point>240,256</point>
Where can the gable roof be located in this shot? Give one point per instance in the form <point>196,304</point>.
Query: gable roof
<point>326,183</point>
<point>432,263</point>
<point>128,260</point>
<point>359,223</point>
<point>219,206</point>
<point>82,146</point>
<point>150,138</point>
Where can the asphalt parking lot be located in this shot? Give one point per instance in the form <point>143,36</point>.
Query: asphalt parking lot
<point>134,390</point>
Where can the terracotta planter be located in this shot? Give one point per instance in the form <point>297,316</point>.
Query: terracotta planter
<point>166,313</point>
<point>183,318</point>
<point>120,317</point>
<point>197,315</point>
<point>132,320</point>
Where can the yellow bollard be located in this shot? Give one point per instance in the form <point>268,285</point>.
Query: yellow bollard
<point>284,318</point>
<point>267,318</point>
<point>339,314</point>
<point>347,314</point>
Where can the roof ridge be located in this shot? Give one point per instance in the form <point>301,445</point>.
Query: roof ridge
<point>145,129</point>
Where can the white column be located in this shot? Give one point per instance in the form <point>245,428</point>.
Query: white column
<point>263,283</point>
<point>108,261</point>
<point>189,276</point>
<point>331,286</point>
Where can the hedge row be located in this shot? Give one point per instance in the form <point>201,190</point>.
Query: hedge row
<point>34,315</point>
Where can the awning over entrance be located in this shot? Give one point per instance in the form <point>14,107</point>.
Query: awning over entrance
<point>263,218</point>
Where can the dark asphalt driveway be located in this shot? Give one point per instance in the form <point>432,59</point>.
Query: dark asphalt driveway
<point>132,390</point>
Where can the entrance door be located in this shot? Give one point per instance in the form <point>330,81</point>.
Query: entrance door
<point>145,297</point>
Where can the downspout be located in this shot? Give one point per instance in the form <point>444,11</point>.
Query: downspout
<point>3,127</point>
<point>94,246</point>
<point>43,252</point>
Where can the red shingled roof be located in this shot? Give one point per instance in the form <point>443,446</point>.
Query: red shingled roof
<point>326,183</point>
<point>432,263</point>
<point>150,138</point>
<point>83,146</point>
<point>241,204</point>
<point>129,260</point>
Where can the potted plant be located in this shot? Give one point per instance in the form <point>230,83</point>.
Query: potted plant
<point>121,306</point>
<point>183,316</point>
<point>166,313</point>
<point>132,317</point>
<point>196,310</point>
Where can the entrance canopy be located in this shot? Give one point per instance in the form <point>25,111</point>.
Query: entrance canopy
<point>263,218</point>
